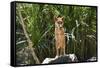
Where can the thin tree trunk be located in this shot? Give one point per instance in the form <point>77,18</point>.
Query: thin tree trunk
<point>30,44</point>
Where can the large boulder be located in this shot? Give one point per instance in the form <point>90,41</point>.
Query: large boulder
<point>61,59</point>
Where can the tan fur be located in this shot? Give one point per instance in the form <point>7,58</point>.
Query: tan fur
<point>59,36</point>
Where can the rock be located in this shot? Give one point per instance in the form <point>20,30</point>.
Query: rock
<point>92,59</point>
<point>61,59</point>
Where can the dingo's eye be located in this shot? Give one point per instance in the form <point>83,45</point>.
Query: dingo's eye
<point>59,22</point>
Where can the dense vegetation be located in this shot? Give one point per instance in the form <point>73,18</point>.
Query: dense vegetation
<point>35,31</point>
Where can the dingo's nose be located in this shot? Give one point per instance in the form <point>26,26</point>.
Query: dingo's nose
<point>60,26</point>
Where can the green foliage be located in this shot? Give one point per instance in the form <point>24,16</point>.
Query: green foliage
<point>79,24</point>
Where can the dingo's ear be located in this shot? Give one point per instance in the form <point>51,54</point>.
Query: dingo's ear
<point>62,17</point>
<point>55,18</point>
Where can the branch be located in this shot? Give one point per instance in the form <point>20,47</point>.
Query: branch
<point>30,44</point>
